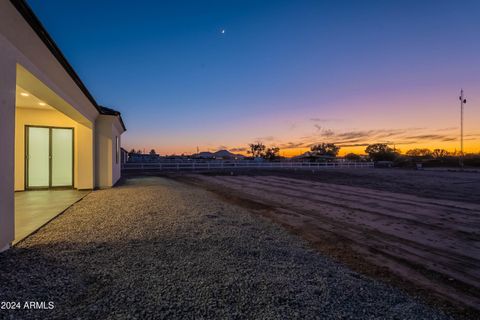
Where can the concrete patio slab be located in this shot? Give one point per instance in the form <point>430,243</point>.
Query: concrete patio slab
<point>35,208</point>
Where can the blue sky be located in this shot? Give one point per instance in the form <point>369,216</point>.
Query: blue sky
<point>283,72</point>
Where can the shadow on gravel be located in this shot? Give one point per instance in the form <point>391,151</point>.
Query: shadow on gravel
<point>177,251</point>
<point>162,278</point>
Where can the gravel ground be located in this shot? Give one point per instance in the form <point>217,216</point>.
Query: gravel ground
<point>154,248</point>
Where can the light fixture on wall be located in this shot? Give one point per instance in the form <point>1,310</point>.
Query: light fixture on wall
<point>24,94</point>
<point>42,103</point>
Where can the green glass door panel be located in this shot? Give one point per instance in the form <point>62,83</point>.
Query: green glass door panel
<point>62,157</point>
<point>38,157</point>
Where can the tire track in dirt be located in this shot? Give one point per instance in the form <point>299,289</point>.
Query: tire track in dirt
<point>367,212</point>
<point>377,234</point>
<point>464,211</point>
<point>425,251</point>
<point>397,197</point>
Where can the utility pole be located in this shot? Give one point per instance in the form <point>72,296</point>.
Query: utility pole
<point>463,101</point>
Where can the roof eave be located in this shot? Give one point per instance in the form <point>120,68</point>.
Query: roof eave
<point>27,13</point>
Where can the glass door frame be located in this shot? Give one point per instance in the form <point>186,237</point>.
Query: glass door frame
<point>27,187</point>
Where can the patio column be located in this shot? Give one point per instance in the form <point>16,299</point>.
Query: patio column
<point>7,145</point>
<point>85,158</point>
<point>103,152</point>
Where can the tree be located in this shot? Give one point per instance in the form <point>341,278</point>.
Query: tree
<point>272,153</point>
<point>380,152</point>
<point>352,157</point>
<point>419,153</point>
<point>132,151</point>
<point>325,149</point>
<point>153,152</point>
<point>440,153</point>
<point>257,149</point>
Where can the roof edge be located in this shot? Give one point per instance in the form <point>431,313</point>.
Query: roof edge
<point>112,112</point>
<point>27,13</point>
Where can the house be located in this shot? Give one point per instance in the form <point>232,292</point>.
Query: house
<point>204,155</point>
<point>123,155</point>
<point>143,157</point>
<point>314,157</point>
<point>219,155</point>
<point>227,155</point>
<point>54,136</point>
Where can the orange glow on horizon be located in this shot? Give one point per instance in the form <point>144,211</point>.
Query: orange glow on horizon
<point>470,147</point>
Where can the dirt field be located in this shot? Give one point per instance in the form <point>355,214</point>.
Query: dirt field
<point>153,248</point>
<point>418,230</point>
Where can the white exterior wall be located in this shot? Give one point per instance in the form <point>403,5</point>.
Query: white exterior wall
<point>117,162</point>
<point>7,145</point>
<point>108,169</point>
<point>26,61</point>
<point>33,55</point>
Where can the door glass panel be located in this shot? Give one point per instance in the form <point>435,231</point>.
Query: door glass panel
<point>62,157</point>
<point>38,157</point>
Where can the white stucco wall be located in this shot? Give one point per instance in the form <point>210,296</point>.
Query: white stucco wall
<point>117,162</point>
<point>26,61</point>
<point>7,144</point>
<point>108,169</point>
<point>83,144</point>
<point>33,55</point>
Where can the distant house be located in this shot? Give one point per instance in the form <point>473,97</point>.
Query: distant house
<point>204,155</point>
<point>143,158</point>
<point>219,155</point>
<point>314,157</point>
<point>123,155</point>
<point>227,155</point>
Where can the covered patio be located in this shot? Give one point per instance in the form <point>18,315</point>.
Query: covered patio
<point>33,209</point>
<point>53,155</point>
<point>55,139</point>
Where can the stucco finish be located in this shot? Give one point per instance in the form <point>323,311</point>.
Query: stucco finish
<point>108,170</point>
<point>52,118</point>
<point>32,54</point>
<point>26,61</point>
<point>7,134</point>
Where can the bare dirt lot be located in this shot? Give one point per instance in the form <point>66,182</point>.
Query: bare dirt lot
<point>153,248</point>
<point>418,230</point>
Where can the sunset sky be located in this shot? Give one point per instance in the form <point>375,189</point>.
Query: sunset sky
<point>287,73</point>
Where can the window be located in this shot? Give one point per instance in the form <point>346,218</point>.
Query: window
<point>117,149</point>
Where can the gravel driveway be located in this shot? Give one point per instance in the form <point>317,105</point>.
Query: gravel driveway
<point>154,248</point>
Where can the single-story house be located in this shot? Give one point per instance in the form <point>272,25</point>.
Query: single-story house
<point>54,136</point>
<point>123,155</point>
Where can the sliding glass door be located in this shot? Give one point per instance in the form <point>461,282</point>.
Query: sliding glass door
<point>62,157</point>
<point>38,157</point>
<point>49,157</point>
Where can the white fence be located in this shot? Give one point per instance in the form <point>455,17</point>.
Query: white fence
<point>230,165</point>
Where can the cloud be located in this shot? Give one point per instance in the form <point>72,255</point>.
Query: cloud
<point>267,138</point>
<point>355,138</point>
<point>328,133</point>
<point>365,134</point>
<point>353,145</point>
<point>291,145</point>
<point>450,139</point>
<point>323,120</point>
<point>447,129</point>
<point>242,149</point>
<point>362,138</point>
<point>427,137</point>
